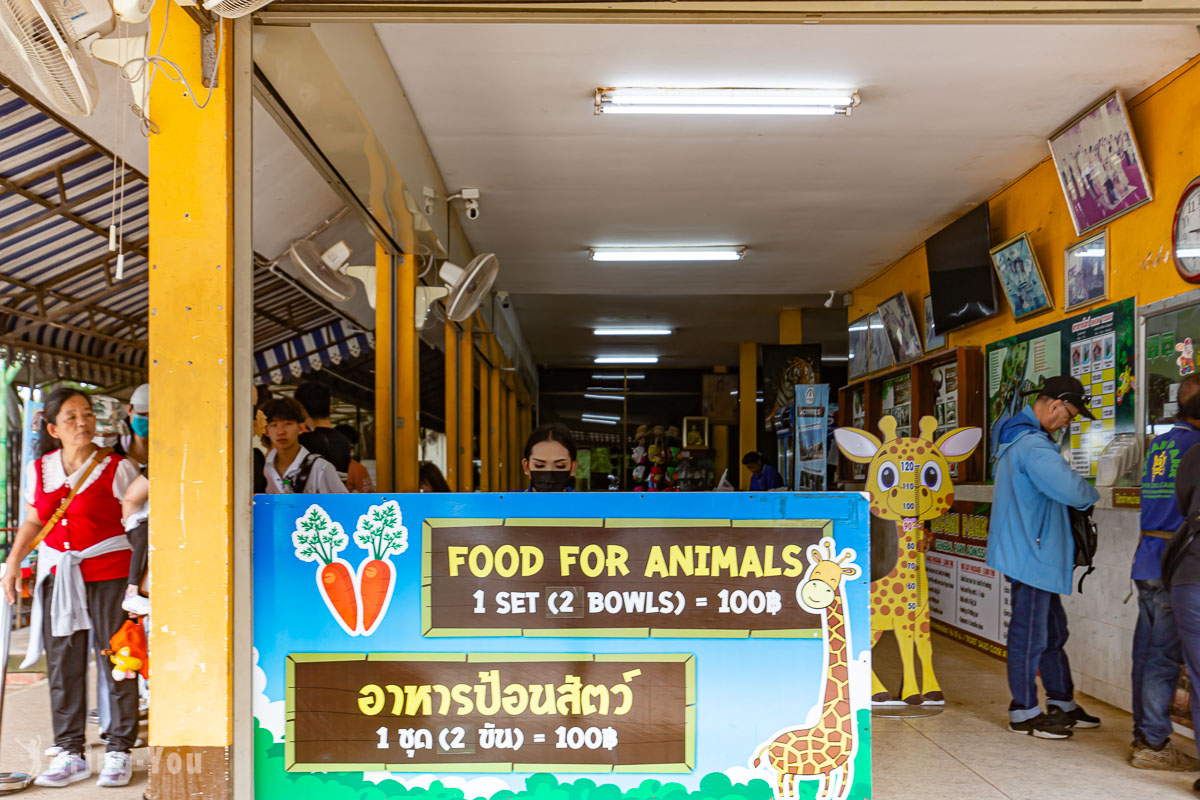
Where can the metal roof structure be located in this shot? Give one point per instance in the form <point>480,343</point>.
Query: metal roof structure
<point>61,299</point>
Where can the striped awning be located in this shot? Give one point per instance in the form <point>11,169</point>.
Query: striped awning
<point>332,344</point>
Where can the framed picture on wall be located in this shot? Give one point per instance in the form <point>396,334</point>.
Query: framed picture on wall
<point>695,432</point>
<point>933,339</point>
<point>1085,272</point>
<point>860,354</point>
<point>1099,164</point>
<point>881,351</point>
<point>900,328</point>
<point>1021,277</point>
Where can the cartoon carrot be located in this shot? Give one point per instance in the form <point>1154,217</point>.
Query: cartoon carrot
<point>318,538</point>
<point>380,534</point>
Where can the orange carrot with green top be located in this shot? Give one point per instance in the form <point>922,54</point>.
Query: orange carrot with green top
<point>319,539</point>
<point>380,534</point>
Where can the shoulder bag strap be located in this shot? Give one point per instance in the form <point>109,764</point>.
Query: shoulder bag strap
<point>97,458</point>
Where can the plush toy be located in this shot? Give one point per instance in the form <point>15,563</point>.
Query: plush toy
<point>1185,361</point>
<point>124,665</point>
<point>128,652</point>
<point>639,454</point>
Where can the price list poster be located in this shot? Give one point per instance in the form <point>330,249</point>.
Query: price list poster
<point>594,645</point>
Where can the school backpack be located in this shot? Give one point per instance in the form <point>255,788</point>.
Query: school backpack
<point>1083,530</point>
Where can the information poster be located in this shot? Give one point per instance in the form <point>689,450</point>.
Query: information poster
<point>1170,357</point>
<point>812,434</point>
<point>968,600</point>
<point>897,401</point>
<point>1098,349</point>
<point>562,646</point>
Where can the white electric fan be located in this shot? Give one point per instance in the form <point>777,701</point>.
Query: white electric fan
<point>232,9</point>
<point>56,40</point>
<point>329,273</point>
<point>464,289</point>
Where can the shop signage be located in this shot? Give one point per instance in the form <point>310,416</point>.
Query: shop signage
<point>492,645</point>
<point>1127,497</point>
<point>968,600</point>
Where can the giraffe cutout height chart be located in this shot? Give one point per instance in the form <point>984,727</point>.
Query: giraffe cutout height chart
<point>908,481</point>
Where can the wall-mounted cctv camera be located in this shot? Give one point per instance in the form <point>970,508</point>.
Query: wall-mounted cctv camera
<point>838,299</point>
<point>470,198</point>
<point>503,299</point>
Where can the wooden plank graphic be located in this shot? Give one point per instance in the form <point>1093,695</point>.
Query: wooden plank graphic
<point>499,712</point>
<point>710,578</point>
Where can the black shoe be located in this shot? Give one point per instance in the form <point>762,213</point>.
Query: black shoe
<point>1075,718</point>
<point>1043,726</point>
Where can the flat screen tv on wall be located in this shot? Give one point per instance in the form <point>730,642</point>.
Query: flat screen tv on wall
<point>962,284</point>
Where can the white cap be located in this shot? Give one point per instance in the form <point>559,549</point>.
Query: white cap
<point>141,399</point>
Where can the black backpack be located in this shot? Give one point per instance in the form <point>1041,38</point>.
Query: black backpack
<point>1083,530</point>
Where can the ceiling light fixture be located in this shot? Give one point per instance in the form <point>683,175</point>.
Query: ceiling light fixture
<point>616,331</point>
<point>605,396</point>
<point>600,376</point>
<point>667,253</point>
<point>626,360</point>
<point>802,102</point>
<point>597,421</point>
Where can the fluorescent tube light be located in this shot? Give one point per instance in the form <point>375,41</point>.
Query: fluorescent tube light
<point>626,360</point>
<point>667,253</point>
<point>598,421</point>
<point>835,358</point>
<point>618,331</point>
<point>603,377</point>
<point>804,102</point>
<point>605,396</point>
<point>598,415</point>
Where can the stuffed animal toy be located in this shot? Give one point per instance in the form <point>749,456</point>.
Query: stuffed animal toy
<point>128,652</point>
<point>124,665</point>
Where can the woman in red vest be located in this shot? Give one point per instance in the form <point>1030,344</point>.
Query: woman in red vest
<point>83,567</point>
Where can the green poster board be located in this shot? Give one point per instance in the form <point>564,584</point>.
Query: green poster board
<point>1098,348</point>
<point>1168,362</point>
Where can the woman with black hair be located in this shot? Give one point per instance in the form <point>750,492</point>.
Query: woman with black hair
<point>430,478</point>
<point>74,511</point>
<point>550,459</point>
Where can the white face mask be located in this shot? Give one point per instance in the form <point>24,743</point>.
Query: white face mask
<point>105,441</point>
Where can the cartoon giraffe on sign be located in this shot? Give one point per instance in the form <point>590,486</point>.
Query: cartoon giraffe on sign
<point>908,481</point>
<point>825,751</point>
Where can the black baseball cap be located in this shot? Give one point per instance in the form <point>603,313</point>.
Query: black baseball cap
<point>1068,388</point>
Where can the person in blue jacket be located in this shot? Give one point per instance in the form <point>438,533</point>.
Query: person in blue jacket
<point>1156,646</point>
<point>1030,542</point>
<point>763,477</point>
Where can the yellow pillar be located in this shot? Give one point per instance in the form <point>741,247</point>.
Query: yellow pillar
<point>720,440</point>
<point>497,455</point>
<point>451,405</point>
<point>466,410</point>
<point>514,439</point>
<point>385,405</point>
<point>485,422</point>
<point>408,367</point>
<point>747,405</point>
<point>789,326</point>
<point>200,332</point>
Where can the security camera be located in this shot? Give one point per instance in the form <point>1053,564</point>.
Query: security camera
<point>829,302</point>
<point>472,209</point>
<point>503,299</point>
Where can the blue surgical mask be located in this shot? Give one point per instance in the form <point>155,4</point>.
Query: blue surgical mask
<point>140,425</point>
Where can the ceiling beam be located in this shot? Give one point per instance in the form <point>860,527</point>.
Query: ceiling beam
<point>33,347</point>
<point>1120,12</point>
<point>36,322</point>
<point>56,211</point>
<point>33,289</point>
<point>33,197</point>
<point>100,260</point>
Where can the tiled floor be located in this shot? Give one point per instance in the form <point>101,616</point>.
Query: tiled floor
<point>967,753</point>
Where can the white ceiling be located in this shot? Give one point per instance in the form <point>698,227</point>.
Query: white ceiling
<point>949,115</point>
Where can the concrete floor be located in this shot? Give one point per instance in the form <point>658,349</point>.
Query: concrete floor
<point>964,753</point>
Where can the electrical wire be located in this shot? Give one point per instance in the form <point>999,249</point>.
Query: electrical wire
<point>149,66</point>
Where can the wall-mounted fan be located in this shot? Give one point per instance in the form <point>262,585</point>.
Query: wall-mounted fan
<point>329,273</point>
<point>232,9</point>
<point>464,289</point>
<point>56,40</point>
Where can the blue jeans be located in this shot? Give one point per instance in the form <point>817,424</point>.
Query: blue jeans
<point>1156,659</point>
<point>1186,603</point>
<point>1037,632</point>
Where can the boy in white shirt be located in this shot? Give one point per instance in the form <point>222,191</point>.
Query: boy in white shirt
<point>290,468</point>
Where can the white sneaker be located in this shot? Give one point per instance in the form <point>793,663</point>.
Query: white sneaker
<point>65,769</point>
<point>53,750</point>
<point>136,604</point>
<point>118,769</point>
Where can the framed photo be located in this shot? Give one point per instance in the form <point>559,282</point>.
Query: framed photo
<point>1099,164</point>
<point>933,339</point>
<point>718,400</point>
<point>1021,277</point>
<point>1085,272</point>
<point>881,351</point>
<point>695,433</point>
<point>900,328</point>
<point>860,354</point>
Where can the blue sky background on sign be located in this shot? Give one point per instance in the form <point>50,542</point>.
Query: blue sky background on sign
<point>748,690</point>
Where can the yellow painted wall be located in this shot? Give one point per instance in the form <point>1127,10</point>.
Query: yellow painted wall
<point>1166,124</point>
